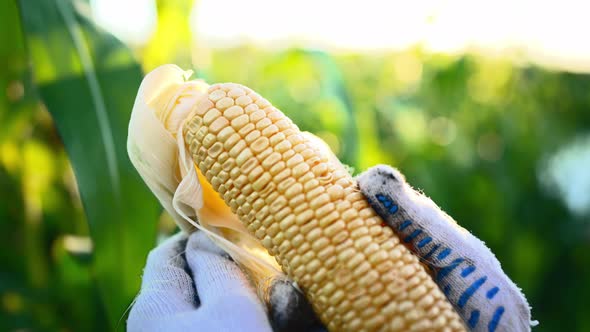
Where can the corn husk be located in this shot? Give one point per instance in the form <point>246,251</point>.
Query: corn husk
<point>157,149</point>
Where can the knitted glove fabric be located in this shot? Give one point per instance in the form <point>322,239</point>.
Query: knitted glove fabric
<point>197,289</point>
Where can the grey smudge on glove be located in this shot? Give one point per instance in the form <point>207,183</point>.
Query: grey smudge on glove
<point>289,310</point>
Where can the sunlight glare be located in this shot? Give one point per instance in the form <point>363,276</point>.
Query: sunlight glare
<point>132,21</point>
<point>551,33</point>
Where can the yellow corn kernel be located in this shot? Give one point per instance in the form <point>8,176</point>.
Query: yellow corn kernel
<point>307,210</point>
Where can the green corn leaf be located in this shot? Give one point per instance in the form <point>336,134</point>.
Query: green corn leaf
<point>88,81</point>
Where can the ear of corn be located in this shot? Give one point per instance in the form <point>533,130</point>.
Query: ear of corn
<point>308,213</point>
<point>156,148</point>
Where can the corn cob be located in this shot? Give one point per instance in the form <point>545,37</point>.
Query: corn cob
<point>308,213</point>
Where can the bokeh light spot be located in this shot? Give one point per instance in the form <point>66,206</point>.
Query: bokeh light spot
<point>12,302</point>
<point>408,68</point>
<point>410,125</point>
<point>15,91</point>
<point>442,130</point>
<point>490,147</point>
<point>566,175</point>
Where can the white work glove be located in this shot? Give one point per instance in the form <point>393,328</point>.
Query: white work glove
<point>197,289</point>
<point>464,268</point>
<point>221,299</point>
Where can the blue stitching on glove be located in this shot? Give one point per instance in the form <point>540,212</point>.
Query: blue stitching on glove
<point>405,224</point>
<point>412,236</point>
<point>432,251</point>
<point>492,292</point>
<point>473,319</point>
<point>443,254</point>
<point>470,291</point>
<point>495,319</point>
<point>448,269</point>
<point>467,271</point>
<point>447,290</point>
<point>424,242</point>
<point>393,209</point>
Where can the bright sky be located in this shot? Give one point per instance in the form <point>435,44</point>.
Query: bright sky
<point>549,31</point>
<point>554,33</point>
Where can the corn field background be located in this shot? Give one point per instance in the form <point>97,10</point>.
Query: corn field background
<point>498,144</point>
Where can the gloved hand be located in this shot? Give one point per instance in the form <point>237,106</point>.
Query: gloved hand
<point>221,299</point>
<point>189,284</point>
<point>464,268</point>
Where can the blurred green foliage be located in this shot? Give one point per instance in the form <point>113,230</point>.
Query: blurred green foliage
<point>103,77</point>
<point>472,132</point>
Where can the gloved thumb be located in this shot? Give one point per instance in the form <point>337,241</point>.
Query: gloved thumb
<point>214,273</point>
